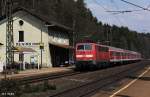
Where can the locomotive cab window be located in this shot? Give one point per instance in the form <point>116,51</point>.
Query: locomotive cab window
<point>88,47</point>
<point>80,47</point>
<point>84,47</point>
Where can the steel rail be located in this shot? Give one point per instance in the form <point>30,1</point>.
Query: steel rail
<point>43,77</point>
<point>99,83</point>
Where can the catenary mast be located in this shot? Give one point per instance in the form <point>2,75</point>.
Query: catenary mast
<point>7,7</point>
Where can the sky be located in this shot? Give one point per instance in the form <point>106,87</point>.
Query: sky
<point>136,20</point>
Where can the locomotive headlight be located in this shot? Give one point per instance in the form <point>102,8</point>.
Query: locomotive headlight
<point>79,56</point>
<point>88,55</point>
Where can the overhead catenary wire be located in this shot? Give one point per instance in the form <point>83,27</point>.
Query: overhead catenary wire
<point>120,11</point>
<point>109,37</point>
<point>106,10</point>
<point>113,12</point>
<point>136,5</point>
<point>125,11</point>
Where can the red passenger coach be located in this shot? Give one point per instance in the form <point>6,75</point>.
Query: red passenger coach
<point>91,55</point>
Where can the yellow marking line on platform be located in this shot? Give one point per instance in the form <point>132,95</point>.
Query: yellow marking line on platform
<point>130,83</point>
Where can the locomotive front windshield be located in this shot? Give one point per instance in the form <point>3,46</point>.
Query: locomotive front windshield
<point>84,47</point>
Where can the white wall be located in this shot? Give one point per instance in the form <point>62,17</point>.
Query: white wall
<point>32,34</point>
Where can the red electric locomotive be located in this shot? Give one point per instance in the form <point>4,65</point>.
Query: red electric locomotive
<point>94,55</point>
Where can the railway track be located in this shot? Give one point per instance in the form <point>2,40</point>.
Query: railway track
<point>84,90</point>
<point>43,77</point>
<point>48,76</point>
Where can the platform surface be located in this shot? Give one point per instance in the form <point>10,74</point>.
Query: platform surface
<point>32,72</point>
<point>139,88</point>
<point>135,86</point>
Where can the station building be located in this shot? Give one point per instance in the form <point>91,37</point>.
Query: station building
<point>32,31</point>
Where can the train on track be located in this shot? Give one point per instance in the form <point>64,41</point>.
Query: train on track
<point>94,55</point>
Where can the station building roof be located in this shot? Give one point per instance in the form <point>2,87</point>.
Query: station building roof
<point>46,20</point>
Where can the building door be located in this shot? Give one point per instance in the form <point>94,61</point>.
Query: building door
<point>59,55</point>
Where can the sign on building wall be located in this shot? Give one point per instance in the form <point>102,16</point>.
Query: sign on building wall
<point>26,44</point>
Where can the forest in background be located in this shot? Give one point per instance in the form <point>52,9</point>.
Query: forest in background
<point>77,16</point>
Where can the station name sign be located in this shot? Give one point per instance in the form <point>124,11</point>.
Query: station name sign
<point>27,44</point>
